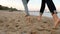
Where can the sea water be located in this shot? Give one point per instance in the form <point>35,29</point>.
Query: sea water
<point>48,14</point>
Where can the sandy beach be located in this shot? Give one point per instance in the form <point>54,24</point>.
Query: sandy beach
<point>15,23</point>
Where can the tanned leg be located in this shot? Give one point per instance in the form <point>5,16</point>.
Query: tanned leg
<point>41,10</point>
<point>39,17</point>
<point>56,20</point>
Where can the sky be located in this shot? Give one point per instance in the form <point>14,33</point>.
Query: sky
<point>33,5</point>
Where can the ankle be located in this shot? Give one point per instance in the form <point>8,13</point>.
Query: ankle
<point>26,15</point>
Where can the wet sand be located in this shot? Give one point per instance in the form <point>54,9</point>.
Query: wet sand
<point>15,23</point>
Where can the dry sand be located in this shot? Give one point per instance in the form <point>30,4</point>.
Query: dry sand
<point>15,23</point>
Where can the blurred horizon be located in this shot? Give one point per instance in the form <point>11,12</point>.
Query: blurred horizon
<point>33,5</point>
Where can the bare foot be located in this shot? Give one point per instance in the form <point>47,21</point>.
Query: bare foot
<point>56,23</point>
<point>27,18</point>
<point>38,18</point>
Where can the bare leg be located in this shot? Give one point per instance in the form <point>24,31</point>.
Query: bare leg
<point>56,20</point>
<point>41,10</point>
<point>39,17</point>
<point>27,18</point>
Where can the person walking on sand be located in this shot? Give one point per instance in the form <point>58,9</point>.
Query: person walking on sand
<point>52,9</point>
<point>25,2</point>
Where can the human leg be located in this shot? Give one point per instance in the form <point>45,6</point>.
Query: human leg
<point>25,2</point>
<point>52,9</point>
<point>41,10</point>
